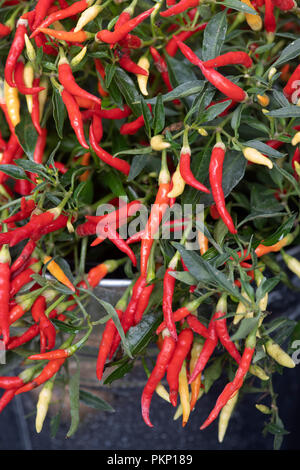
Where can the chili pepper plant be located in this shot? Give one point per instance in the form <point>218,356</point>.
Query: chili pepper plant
<point>167,134</point>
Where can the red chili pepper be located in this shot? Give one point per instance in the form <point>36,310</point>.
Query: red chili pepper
<point>41,10</point>
<point>162,361</point>
<point>15,51</point>
<point>183,345</point>
<point>131,128</point>
<point>111,37</point>
<point>292,83</point>
<point>4,292</point>
<point>232,387</point>
<point>41,41</point>
<point>128,317</point>
<point>269,20</point>
<point>8,154</point>
<point>186,172</point>
<point>143,303</point>
<point>28,335</point>
<point>230,58</point>
<point>215,179</point>
<point>180,7</point>
<point>49,371</point>
<point>172,46</point>
<point>40,146</point>
<point>168,291</point>
<point>131,41</point>
<point>35,113</point>
<point>222,332</point>
<point>114,237</point>
<point>161,66</point>
<point>207,350</point>
<point>7,397</point>
<point>296,158</point>
<point>47,329</point>
<point>105,344</point>
<point>101,70</point>
<point>10,382</point>
<point>117,163</point>
<point>74,117</point>
<point>19,81</point>
<point>67,12</point>
<point>214,213</point>
<point>23,278</point>
<point>285,5</point>
<point>97,127</point>
<point>222,83</point>
<point>127,64</point>
<point>4,30</point>
<point>114,113</point>
<point>66,78</point>
<point>196,326</point>
<point>27,206</point>
<point>157,211</point>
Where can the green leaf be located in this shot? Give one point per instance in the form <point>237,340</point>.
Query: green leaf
<point>128,89</point>
<point>288,53</point>
<point>14,171</point>
<point>139,336</point>
<point>267,285</point>
<point>27,135</point>
<point>212,373</point>
<point>185,277</point>
<point>94,401</point>
<point>245,327</point>
<point>115,184</point>
<point>204,271</point>
<point>159,115</point>
<point>137,165</point>
<point>214,36</point>
<point>84,192</point>
<point>238,5</point>
<point>59,112</point>
<point>74,400</point>
<point>286,111</point>
<point>119,372</point>
<point>213,111</point>
<point>109,74</point>
<point>147,117</point>
<point>281,232</point>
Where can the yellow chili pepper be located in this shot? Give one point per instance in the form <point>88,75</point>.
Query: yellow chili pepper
<point>178,184</point>
<point>202,131</point>
<point>296,139</point>
<point>11,97</point>
<point>263,409</point>
<point>184,394</point>
<point>254,21</point>
<point>279,355</point>
<point>162,392</point>
<point>263,303</point>
<point>242,310</point>
<point>271,73</point>
<point>292,263</point>
<point>143,79</point>
<point>254,156</point>
<point>57,272</point>
<point>30,49</point>
<point>43,95</point>
<point>254,369</point>
<point>196,384</point>
<point>263,100</point>
<point>28,80</point>
<point>78,58</point>
<point>88,15</point>
<point>43,405</point>
<point>225,416</point>
<point>157,143</point>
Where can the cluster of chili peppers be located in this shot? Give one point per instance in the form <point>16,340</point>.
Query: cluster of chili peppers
<point>186,343</point>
